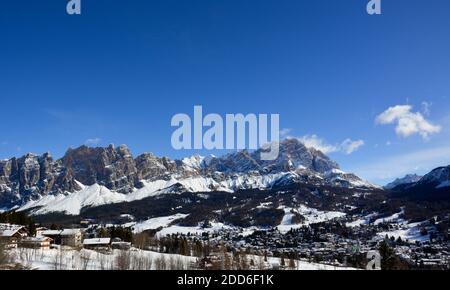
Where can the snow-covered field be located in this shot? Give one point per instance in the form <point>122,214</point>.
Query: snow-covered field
<point>407,232</point>
<point>155,223</point>
<point>366,220</point>
<point>71,259</point>
<point>311,215</point>
<point>166,223</point>
<point>362,221</point>
<point>168,226</point>
<point>304,265</point>
<point>395,218</point>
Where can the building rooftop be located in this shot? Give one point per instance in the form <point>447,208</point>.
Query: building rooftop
<point>64,232</point>
<point>98,241</point>
<point>9,230</point>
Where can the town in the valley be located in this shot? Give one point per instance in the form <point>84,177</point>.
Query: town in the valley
<point>338,243</point>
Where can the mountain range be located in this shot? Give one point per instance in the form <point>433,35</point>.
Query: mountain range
<point>97,176</point>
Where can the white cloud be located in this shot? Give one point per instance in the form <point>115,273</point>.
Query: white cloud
<point>285,132</point>
<point>92,142</point>
<point>313,141</point>
<point>348,146</point>
<point>387,169</point>
<point>408,123</point>
<point>426,108</point>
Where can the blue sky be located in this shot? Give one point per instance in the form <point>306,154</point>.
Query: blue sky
<point>121,70</point>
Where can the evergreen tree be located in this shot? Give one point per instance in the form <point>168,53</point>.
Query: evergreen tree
<point>31,228</point>
<point>226,261</point>
<point>244,261</point>
<point>4,255</point>
<point>282,262</point>
<point>389,260</point>
<point>102,233</point>
<point>292,265</point>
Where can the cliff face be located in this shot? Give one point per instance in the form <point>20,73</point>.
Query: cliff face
<point>112,167</point>
<point>32,176</point>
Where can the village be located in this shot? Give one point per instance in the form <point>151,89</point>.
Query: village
<point>77,249</point>
<point>15,236</point>
<point>329,244</point>
<point>84,249</point>
<point>334,243</point>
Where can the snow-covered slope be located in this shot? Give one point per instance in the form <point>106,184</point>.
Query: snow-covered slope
<point>155,223</point>
<point>443,184</point>
<point>44,259</point>
<point>311,216</point>
<point>340,178</point>
<point>71,204</point>
<point>96,195</point>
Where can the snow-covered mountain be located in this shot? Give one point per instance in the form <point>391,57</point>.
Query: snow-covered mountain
<point>90,177</point>
<point>439,177</point>
<point>436,179</point>
<point>408,179</point>
<point>434,186</point>
<point>293,155</point>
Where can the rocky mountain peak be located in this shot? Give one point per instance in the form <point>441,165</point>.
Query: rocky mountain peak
<point>112,167</point>
<point>151,168</point>
<point>295,155</point>
<point>31,176</point>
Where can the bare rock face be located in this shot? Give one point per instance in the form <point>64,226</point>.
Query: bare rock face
<point>293,155</point>
<point>150,167</point>
<point>32,176</point>
<point>321,162</point>
<point>112,167</point>
<point>238,162</point>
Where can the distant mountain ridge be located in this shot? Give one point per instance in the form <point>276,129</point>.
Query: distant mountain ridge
<point>433,186</point>
<point>117,176</point>
<point>408,179</point>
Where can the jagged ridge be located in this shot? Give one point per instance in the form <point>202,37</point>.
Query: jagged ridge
<point>31,178</point>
